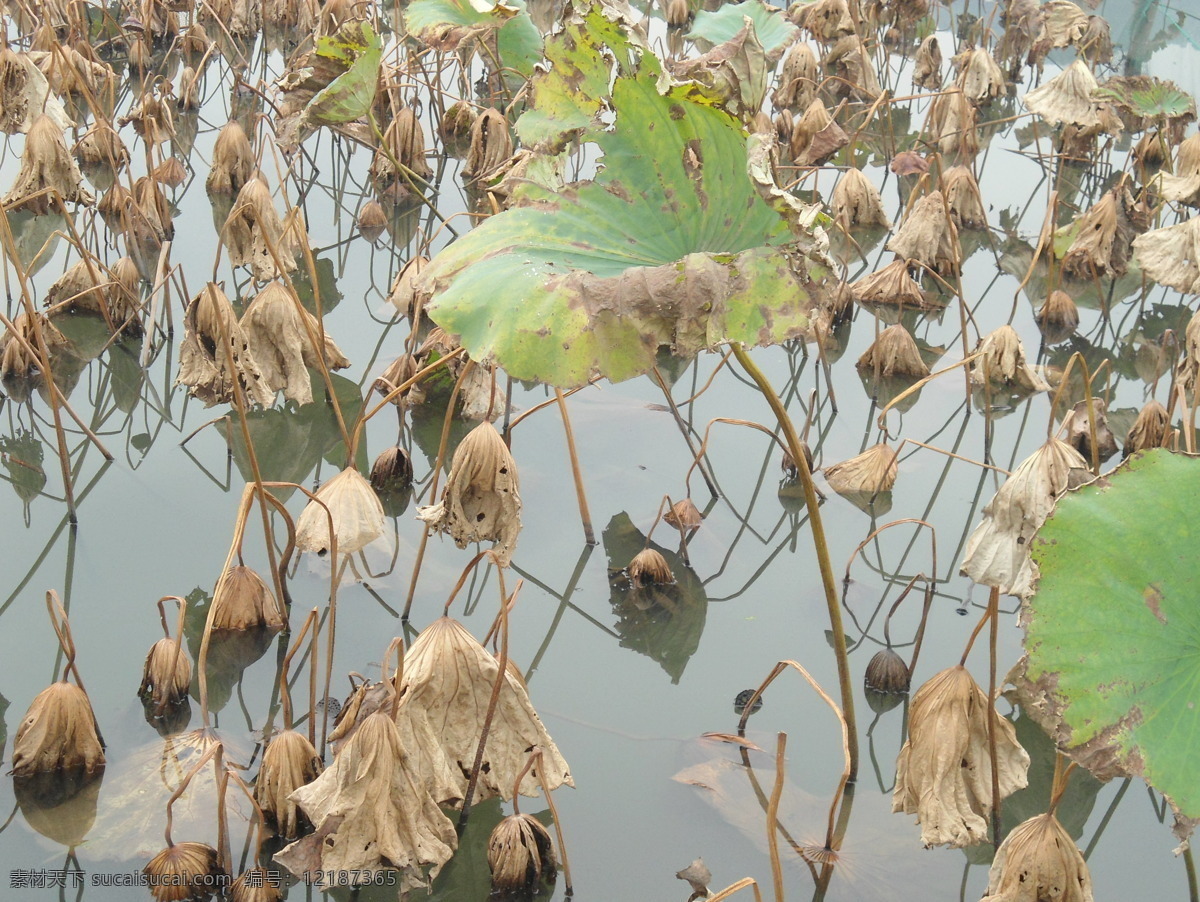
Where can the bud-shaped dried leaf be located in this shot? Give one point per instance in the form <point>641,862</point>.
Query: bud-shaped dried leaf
<point>891,285</point>
<point>491,146</point>
<point>887,672</point>
<point>1096,43</point>
<point>1067,97</point>
<point>1039,862</point>
<point>48,172</point>
<point>170,172</point>
<point>183,871</point>
<point>1171,256</point>
<point>679,13</point>
<point>451,676</point>
<point>698,877</point>
<point>997,552</point>
<point>856,201</point>
<point>481,500</point>
<point>101,146</point>
<point>951,122</point>
<point>1079,430</point>
<point>404,143</point>
<point>289,762</point>
<point>88,286</point>
<point>281,334</point>
<point>166,675</point>
<point>961,189</point>
<point>928,235</point>
<point>455,127</point>
<point>893,353</point>
<point>233,162</point>
<point>826,19</point>
<point>649,568</point>
<point>1104,235</point>
<point>868,473</point>
<point>1151,429</point>
<point>18,355</point>
<point>357,515</point>
<point>242,600</point>
<point>211,326</point>
<point>403,295</point>
<point>372,220</point>
<point>1060,24</point>
<point>852,69</point>
<point>979,78</point>
<point>798,79</point>
<point>254,229</point>
<point>684,514</point>
<point>944,772</point>
<point>1059,317</point>
<point>392,468</point>
<point>372,810</point>
<point>816,136</point>
<point>1002,362</point>
<point>58,732</point>
<point>520,853</point>
<point>927,65</point>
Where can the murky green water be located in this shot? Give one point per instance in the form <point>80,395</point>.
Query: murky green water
<point>626,693</point>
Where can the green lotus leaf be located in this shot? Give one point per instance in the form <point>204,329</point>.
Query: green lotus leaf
<point>350,95</point>
<point>1113,628</point>
<point>448,24</point>
<point>1146,97</point>
<point>669,245</point>
<point>771,26</point>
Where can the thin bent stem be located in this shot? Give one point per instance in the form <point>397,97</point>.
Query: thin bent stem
<point>822,550</point>
<point>580,495</point>
<point>773,817</point>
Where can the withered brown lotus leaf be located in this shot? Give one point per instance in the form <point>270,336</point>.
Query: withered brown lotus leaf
<point>1183,186</point>
<point>944,772</point>
<point>1171,256</point>
<point>928,235</point>
<point>372,810</point>
<point>698,877</point>
<point>451,676</point>
<point>891,285</point>
<point>281,335</point>
<point>239,18</point>
<point>25,95</point>
<point>391,468</point>
<point>1105,235</point>
<point>1079,432</point>
<point>189,89</point>
<point>242,600</point>
<point>166,675</point>
<point>403,295</point>
<point>1058,318</point>
<point>908,162</point>
<point>799,76</point>
<point>491,147</point>
<point>397,373</point>
<point>927,65</point>
<point>853,69</point>
<point>101,146</point>
<point>233,163</point>
<point>1151,429</point>
<point>1150,150</point>
<point>856,202</point>
<point>997,552</point>
<point>520,854</point>
<point>170,172</point>
<point>1060,24</point>
<point>286,15</point>
<point>1067,97</point>
<point>887,672</point>
<point>211,326</point>
<point>481,501</point>
<point>183,871</point>
<point>151,116</point>
<point>649,568</point>
<point>816,136</point>
<point>372,220</point>
<point>405,139</point>
<point>826,19</point>
<point>868,473</point>
<point>88,286</point>
<point>684,514</point>
<point>893,353</point>
<point>454,128</point>
<point>961,189</point>
<point>358,517</point>
<point>289,762</point>
<point>18,356</point>
<point>1002,362</point>
<point>951,121</point>
<point>1096,42</point>
<point>1039,862</point>
<point>254,228</point>
<point>114,203</point>
<point>58,732</point>
<point>48,172</point>
<point>979,78</point>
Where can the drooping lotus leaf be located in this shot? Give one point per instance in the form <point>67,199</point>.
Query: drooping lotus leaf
<point>1113,668</point>
<point>772,27</point>
<point>670,245</point>
<point>350,95</point>
<point>447,24</point>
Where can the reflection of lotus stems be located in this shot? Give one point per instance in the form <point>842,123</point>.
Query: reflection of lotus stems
<point>285,696</point>
<point>213,748</point>
<point>683,427</point>
<point>881,420</point>
<point>696,455</point>
<point>501,676</point>
<point>443,442</point>
<point>901,522</point>
<point>589,537</point>
<point>822,551</point>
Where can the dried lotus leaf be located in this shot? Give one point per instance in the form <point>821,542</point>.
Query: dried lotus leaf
<point>893,353</point>
<point>856,202</point>
<point>212,340</point>
<point>355,509</point>
<point>48,172</point>
<point>1151,429</point>
<point>256,235</point>
<point>1002,362</point>
<point>58,732</point>
<point>520,854</point>
<point>868,473</point>
<point>928,236</point>
<point>1039,862</point>
<point>1067,98</point>
<point>289,762</point>
<point>1171,256</point>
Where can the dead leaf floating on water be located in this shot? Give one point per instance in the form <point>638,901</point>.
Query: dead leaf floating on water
<point>891,285</point>
<point>183,871</point>
<point>997,552</point>
<point>242,600</point>
<point>1105,234</point>
<point>520,854</point>
<point>58,732</point>
<point>289,762</point>
<point>1067,98</point>
<point>233,163</point>
<point>215,352</point>
<point>281,335</point>
<point>649,568</point>
<point>893,353</point>
<point>392,468</point>
<point>481,501</point>
<point>928,236</point>
<point>869,473</point>
<point>1151,429</point>
<point>451,676</point>
<point>944,772</point>
<point>816,136</point>
<point>1039,862</point>
<point>355,509</point>
<point>1002,363</point>
<point>856,202</point>
<point>166,675</point>
<point>48,172</point>
<point>372,220</point>
<point>1058,318</point>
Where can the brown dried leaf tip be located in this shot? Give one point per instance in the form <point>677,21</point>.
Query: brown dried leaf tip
<point>684,514</point>
<point>649,568</point>
<point>166,675</point>
<point>1001,362</point>
<point>520,855</point>
<point>354,508</point>
<point>944,772</point>
<point>481,501</point>
<point>887,672</point>
<point>289,762</point>
<point>1039,862</point>
<point>58,732</point>
<point>186,870</point>
<point>1151,429</point>
<point>242,600</point>
<point>869,473</point>
<point>48,172</point>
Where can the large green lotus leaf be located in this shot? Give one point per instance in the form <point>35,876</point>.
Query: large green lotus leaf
<point>1113,628</point>
<point>573,93</point>
<point>771,26</point>
<point>670,245</point>
<point>350,95</point>
<point>447,24</point>
<point>1147,98</point>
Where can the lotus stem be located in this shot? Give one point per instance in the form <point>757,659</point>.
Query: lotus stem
<point>993,756</point>
<point>285,696</point>
<point>562,845</point>
<point>580,495</point>
<point>683,429</point>
<point>773,817</point>
<point>163,702</point>
<point>397,679</point>
<point>737,887</point>
<point>822,550</point>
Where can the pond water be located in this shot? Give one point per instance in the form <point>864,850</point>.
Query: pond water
<point>627,691</point>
